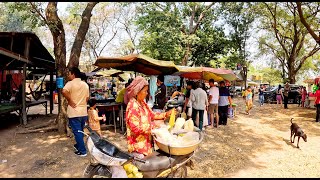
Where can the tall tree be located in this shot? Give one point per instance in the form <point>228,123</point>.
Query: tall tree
<point>271,76</point>
<point>50,18</point>
<point>286,37</point>
<point>15,20</point>
<point>101,33</point>
<point>239,16</point>
<point>127,20</point>
<point>309,18</point>
<point>175,31</point>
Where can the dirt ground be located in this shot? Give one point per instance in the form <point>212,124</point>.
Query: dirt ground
<point>256,145</point>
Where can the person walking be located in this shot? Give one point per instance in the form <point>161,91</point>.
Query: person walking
<point>249,100</point>
<point>213,102</point>
<point>223,103</point>
<point>299,95</point>
<point>317,104</point>
<point>261,95</point>
<point>252,90</point>
<point>286,91</point>
<point>160,95</point>
<point>199,100</point>
<point>76,92</point>
<point>187,102</point>
<point>279,95</point>
<point>303,96</point>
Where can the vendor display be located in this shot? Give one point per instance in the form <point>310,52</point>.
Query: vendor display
<point>178,137</point>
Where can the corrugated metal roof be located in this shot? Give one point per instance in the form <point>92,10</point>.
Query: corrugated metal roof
<point>14,43</point>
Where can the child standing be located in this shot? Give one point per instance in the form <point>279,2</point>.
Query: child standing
<point>249,103</point>
<point>93,117</point>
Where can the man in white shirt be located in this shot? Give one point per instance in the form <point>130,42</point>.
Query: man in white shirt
<point>188,103</point>
<point>76,92</point>
<point>213,102</point>
<point>199,101</point>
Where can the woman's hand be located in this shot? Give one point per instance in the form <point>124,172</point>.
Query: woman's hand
<point>168,113</point>
<point>72,104</point>
<point>158,123</point>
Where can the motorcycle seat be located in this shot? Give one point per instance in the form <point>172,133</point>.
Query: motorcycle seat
<point>157,161</point>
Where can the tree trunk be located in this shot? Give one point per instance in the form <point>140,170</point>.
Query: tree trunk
<point>56,27</point>
<point>81,34</point>
<point>291,76</point>
<point>186,55</point>
<point>291,70</point>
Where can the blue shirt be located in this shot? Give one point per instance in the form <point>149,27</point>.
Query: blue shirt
<point>224,96</point>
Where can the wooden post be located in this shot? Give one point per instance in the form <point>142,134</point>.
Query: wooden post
<point>24,113</point>
<point>2,83</point>
<point>51,91</point>
<point>26,54</point>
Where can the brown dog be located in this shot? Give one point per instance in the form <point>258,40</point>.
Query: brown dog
<point>297,131</point>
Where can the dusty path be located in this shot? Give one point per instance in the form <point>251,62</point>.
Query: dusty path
<point>249,146</point>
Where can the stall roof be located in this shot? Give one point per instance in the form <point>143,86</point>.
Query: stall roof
<point>137,63</point>
<point>12,48</point>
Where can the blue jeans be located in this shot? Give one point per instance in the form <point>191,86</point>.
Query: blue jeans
<point>77,123</point>
<point>261,99</point>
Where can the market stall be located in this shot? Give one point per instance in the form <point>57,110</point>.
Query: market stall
<point>137,63</point>
<point>205,73</point>
<point>22,52</point>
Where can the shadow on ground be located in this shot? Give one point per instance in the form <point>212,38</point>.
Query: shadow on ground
<point>229,149</point>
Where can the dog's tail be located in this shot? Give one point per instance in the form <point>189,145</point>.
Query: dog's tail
<point>291,120</point>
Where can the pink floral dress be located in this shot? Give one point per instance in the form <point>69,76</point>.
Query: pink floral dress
<point>139,121</point>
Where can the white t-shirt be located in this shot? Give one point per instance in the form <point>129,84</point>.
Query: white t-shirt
<point>79,92</point>
<point>214,92</point>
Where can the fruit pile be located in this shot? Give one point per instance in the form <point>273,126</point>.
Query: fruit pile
<point>181,134</point>
<point>132,171</point>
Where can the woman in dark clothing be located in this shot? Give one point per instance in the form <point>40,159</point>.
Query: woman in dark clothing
<point>279,95</point>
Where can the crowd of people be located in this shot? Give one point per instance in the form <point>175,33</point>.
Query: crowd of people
<point>141,118</point>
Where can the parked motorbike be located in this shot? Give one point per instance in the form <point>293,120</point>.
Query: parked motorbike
<point>104,156</point>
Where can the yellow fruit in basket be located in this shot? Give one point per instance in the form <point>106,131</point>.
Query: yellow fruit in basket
<point>128,168</point>
<point>188,125</point>
<point>172,118</point>
<point>139,175</point>
<point>135,170</point>
<point>130,175</point>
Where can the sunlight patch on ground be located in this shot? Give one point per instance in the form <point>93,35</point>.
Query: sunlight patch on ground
<point>66,175</point>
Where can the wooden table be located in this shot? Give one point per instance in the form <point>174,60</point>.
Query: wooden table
<point>13,107</point>
<point>112,107</point>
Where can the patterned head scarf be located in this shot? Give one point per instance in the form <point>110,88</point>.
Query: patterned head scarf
<point>135,87</point>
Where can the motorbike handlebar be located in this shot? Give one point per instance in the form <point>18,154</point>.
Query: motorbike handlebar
<point>140,160</point>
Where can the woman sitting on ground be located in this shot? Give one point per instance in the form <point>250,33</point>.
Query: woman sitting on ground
<point>140,119</point>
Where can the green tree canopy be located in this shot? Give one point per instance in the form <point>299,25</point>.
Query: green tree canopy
<point>182,32</point>
<point>286,38</point>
